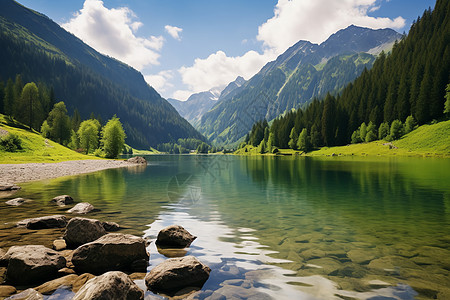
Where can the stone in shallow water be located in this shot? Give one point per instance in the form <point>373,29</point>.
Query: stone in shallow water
<point>32,263</point>
<point>361,256</point>
<point>29,294</point>
<point>175,274</point>
<point>59,245</point>
<point>7,290</point>
<point>111,285</point>
<point>62,200</point>
<point>392,263</point>
<point>55,221</point>
<point>174,236</point>
<point>81,230</point>
<point>111,226</point>
<point>8,187</point>
<point>81,208</point>
<point>74,282</point>
<point>327,265</point>
<point>114,251</point>
<point>17,201</point>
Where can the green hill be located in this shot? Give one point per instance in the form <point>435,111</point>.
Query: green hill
<point>41,51</point>
<point>426,140</point>
<point>35,148</point>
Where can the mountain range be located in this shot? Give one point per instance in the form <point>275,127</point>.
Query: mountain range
<point>40,50</point>
<point>198,104</point>
<point>303,72</point>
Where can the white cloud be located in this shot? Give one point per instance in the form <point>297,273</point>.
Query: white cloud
<point>160,81</point>
<point>174,31</point>
<point>219,69</point>
<point>316,20</point>
<point>112,32</point>
<point>182,95</point>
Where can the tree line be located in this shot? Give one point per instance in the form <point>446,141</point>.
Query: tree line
<point>33,105</point>
<point>404,88</point>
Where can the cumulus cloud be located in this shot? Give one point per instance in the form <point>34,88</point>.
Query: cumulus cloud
<point>160,81</point>
<point>174,31</point>
<point>316,20</point>
<point>219,69</point>
<point>112,32</point>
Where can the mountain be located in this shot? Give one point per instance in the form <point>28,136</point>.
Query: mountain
<point>195,106</point>
<point>301,73</point>
<point>198,104</point>
<point>408,85</point>
<point>40,50</point>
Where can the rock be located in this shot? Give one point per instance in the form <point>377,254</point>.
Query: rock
<point>59,245</point>
<point>8,187</point>
<point>111,285</point>
<point>175,274</point>
<point>74,282</point>
<point>29,294</point>
<point>114,251</point>
<point>55,221</point>
<point>32,263</point>
<point>361,256</point>
<point>137,160</point>
<point>174,236</point>
<point>80,231</point>
<point>111,226</point>
<point>17,201</point>
<point>62,200</point>
<point>81,208</point>
<point>7,290</point>
<point>392,263</point>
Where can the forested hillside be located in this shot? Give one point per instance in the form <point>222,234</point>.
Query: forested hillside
<point>39,50</point>
<point>411,81</point>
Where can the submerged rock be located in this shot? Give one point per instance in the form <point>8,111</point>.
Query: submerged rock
<point>55,221</point>
<point>62,200</point>
<point>137,160</point>
<point>8,187</point>
<point>114,251</point>
<point>32,263</point>
<point>111,285</point>
<point>7,290</point>
<point>82,230</point>
<point>17,201</point>
<point>175,274</point>
<point>174,236</point>
<point>110,226</point>
<point>74,282</point>
<point>29,294</point>
<point>81,208</point>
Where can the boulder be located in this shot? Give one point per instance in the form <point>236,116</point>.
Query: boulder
<point>29,294</point>
<point>55,221</point>
<point>32,263</point>
<point>114,251</point>
<point>80,231</point>
<point>62,200</point>
<point>17,201</point>
<point>111,226</point>
<point>137,160</point>
<point>74,282</point>
<point>8,187</point>
<point>59,245</point>
<point>111,285</point>
<point>81,208</point>
<point>7,290</point>
<point>174,236</point>
<point>175,274</point>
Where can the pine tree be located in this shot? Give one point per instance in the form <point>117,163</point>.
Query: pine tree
<point>18,87</point>
<point>410,124</point>
<point>304,141</point>
<point>29,109</point>
<point>423,101</point>
<point>371,134</point>
<point>76,120</point>
<point>2,97</point>
<point>293,136</point>
<point>383,131</point>
<point>447,102</point>
<point>9,98</point>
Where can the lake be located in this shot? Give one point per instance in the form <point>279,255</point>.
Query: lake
<point>276,227</point>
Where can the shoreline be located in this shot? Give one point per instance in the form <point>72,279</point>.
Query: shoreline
<point>20,173</point>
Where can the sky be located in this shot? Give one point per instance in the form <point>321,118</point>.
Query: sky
<point>189,46</point>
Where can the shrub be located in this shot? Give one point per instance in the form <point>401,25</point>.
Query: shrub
<point>11,142</point>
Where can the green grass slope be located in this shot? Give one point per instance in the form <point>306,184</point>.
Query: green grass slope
<point>425,141</point>
<point>35,148</point>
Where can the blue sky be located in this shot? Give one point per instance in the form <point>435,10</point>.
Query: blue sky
<point>187,46</point>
